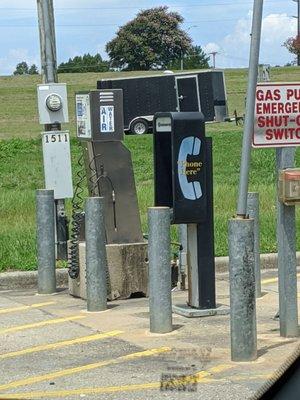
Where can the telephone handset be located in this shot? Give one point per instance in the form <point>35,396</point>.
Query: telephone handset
<point>189,146</point>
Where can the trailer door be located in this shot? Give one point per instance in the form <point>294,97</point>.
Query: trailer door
<point>187,90</point>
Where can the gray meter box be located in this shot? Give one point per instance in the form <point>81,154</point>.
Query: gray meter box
<point>99,115</point>
<point>53,103</point>
<point>57,163</point>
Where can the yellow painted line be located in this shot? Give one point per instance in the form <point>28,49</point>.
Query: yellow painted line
<point>201,377</point>
<point>58,345</point>
<point>272,280</point>
<point>83,368</point>
<point>23,308</point>
<point>220,368</point>
<point>39,324</point>
<point>252,377</point>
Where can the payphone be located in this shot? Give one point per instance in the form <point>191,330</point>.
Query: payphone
<point>180,165</point>
<point>109,173</point>
<point>184,182</point>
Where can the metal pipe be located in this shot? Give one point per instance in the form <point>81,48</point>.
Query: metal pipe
<point>250,105</point>
<point>298,27</point>
<point>242,290</point>
<point>47,40</point>
<point>253,211</point>
<point>183,267</point>
<point>45,241</point>
<point>193,271</point>
<point>96,260</point>
<point>49,73</point>
<point>287,265</point>
<point>159,252</point>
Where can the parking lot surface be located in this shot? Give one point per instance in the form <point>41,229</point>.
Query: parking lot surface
<point>51,348</point>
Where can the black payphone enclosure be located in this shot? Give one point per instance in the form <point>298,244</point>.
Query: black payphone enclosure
<point>181,167</point>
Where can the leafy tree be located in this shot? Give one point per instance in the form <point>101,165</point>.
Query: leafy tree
<point>85,63</point>
<point>21,68</point>
<point>196,58</point>
<point>152,40</point>
<point>33,70</point>
<point>293,45</point>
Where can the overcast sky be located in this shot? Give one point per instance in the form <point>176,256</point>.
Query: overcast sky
<point>84,26</point>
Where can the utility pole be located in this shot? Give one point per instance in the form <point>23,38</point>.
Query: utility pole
<point>214,53</point>
<point>49,74</point>
<point>182,52</point>
<point>181,60</point>
<point>298,27</point>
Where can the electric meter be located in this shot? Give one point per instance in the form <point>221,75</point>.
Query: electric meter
<point>53,103</point>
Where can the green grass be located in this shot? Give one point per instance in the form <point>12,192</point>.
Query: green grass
<point>21,169</point>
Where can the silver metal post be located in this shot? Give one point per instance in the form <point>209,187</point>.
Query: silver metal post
<point>250,105</point>
<point>192,244</point>
<point>287,266</point>
<point>298,30</point>
<point>159,250</point>
<point>45,241</point>
<point>241,230</point>
<point>47,40</point>
<point>253,211</point>
<point>183,267</point>
<point>298,26</point>
<point>49,73</point>
<point>96,260</point>
<point>242,290</point>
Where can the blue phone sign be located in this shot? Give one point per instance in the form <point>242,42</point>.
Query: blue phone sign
<point>190,146</point>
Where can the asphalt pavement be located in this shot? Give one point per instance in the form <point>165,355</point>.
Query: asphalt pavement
<point>52,348</point>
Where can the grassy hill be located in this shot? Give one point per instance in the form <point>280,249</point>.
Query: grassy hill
<point>21,170</point>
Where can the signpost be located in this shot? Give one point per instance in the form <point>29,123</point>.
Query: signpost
<point>277,124</point>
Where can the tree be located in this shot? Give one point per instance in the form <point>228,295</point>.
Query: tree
<point>293,45</point>
<point>33,70</point>
<point>196,58</point>
<point>85,63</point>
<point>152,40</point>
<point>21,68</point>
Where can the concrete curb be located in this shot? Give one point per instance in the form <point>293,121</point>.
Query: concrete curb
<point>28,279</point>
<point>267,261</point>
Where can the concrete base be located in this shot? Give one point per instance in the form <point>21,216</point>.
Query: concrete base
<point>127,271</point>
<point>189,312</point>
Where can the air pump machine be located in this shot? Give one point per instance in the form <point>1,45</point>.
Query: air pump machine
<point>109,173</point>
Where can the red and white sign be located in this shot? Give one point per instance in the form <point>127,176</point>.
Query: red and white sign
<point>277,115</point>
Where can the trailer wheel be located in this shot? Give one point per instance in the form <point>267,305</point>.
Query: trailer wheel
<point>139,127</point>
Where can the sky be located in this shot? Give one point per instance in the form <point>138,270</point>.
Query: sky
<point>85,26</point>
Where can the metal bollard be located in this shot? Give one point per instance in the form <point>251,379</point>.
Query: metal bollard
<point>96,260</point>
<point>159,251</point>
<point>45,241</point>
<point>242,290</point>
<point>253,211</point>
<point>287,264</point>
